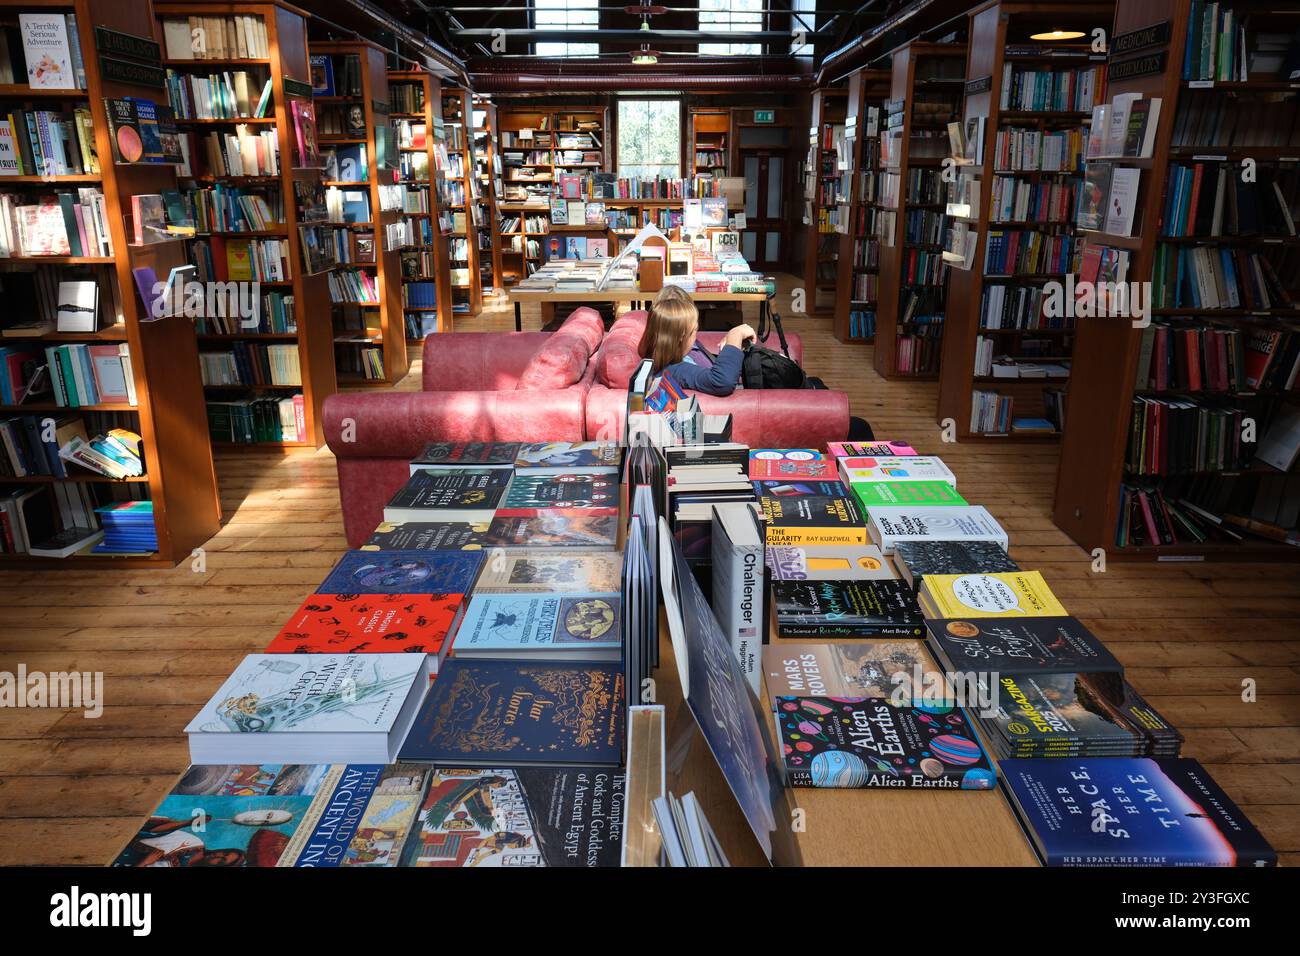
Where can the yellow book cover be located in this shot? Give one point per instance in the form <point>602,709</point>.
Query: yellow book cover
<point>1007,594</point>
<point>799,537</point>
<point>239,268</point>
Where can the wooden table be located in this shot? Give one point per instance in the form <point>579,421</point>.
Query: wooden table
<point>841,827</point>
<point>631,297</point>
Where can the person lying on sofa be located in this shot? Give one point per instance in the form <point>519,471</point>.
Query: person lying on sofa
<point>669,343</point>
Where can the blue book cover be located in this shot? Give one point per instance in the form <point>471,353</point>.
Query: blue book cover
<point>1117,811</point>
<point>485,713</point>
<point>404,572</point>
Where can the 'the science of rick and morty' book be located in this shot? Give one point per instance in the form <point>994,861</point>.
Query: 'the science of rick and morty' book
<point>1118,811</point>
<point>867,742</point>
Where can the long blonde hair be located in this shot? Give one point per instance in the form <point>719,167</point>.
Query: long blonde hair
<point>672,322</point>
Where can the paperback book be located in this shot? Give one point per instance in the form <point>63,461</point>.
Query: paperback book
<point>809,520</point>
<point>829,563</point>
<point>539,571</point>
<point>895,468</point>
<point>1013,594</point>
<point>530,495</point>
<point>569,529</point>
<point>449,494</point>
<point>404,572</point>
<point>891,525</point>
<point>568,457</point>
<point>846,668</point>
<point>846,609</point>
<point>898,494</point>
<point>871,449</point>
<point>466,454</point>
<point>427,536</point>
<point>1020,645</point>
<point>915,559</point>
<point>578,627</point>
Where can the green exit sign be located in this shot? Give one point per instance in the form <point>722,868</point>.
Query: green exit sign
<point>764,116</point>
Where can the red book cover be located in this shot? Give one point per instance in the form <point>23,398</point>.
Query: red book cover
<point>372,624</point>
<point>760,468</point>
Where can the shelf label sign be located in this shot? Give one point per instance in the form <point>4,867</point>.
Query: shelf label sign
<point>1149,36</point>
<point>981,84</point>
<point>134,74</point>
<point>294,87</point>
<point>1138,66</point>
<point>128,45</point>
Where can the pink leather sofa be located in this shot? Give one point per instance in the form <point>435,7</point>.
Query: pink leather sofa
<point>534,386</point>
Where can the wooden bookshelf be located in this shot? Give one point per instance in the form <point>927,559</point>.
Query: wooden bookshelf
<point>1032,335</point>
<point>710,142</point>
<point>929,72</point>
<point>383,320</point>
<point>825,199</point>
<point>1108,350</point>
<point>416,97</point>
<point>859,247</point>
<point>169,413</point>
<point>461,195</point>
<point>483,125</point>
<point>287,46</point>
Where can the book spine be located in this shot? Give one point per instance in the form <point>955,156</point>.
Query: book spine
<point>863,629</point>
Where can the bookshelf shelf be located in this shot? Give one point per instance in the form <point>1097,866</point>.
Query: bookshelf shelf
<point>910,156</point>
<point>167,407</point>
<point>460,194</point>
<point>1236,509</point>
<point>825,195</point>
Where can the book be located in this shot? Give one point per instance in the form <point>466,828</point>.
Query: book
<point>895,468</point>
<point>872,449</point>
<point>1280,445</point>
<point>1167,812</point>
<point>875,494</point>
<point>403,572</point>
<point>467,454</point>
<point>448,494</point>
<point>890,525</point>
<point>915,559</point>
<point>739,597</point>
<point>1032,645</point>
<point>542,572</point>
<point>1122,201</point>
<point>427,536</point>
<point>298,708</point>
<point>488,713</point>
<point>527,816</point>
<point>1140,132</point>
<point>828,563</point>
<point>47,51</point>
<point>281,814</point>
<point>1090,212</point>
<point>1004,594</point>
<point>595,494</point>
<point>78,306</point>
<point>124,131</point>
<point>575,627</point>
<point>872,743</point>
<point>807,488</point>
<point>846,668</point>
<point>807,520</point>
<point>568,457</point>
<point>373,624</point>
<point>570,529</point>
<point>846,609</point>
<point>785,468</point>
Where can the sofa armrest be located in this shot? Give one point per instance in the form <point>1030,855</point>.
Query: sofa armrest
<point>487,361</point>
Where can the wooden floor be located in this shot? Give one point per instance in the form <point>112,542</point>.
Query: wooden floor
<point>72,790</point>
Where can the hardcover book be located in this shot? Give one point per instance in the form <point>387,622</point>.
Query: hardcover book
<point>1006,594</point>
<point>800,487</point>
<point>449,494</point>
<point>829,563</point>
<point>476,454</point>
<point>808,520</point>
<point>579,627</point>
<point>890,525</point>
<point>528,816</point>
<point>589,493</point>
<point>846,668</point>
<point>47,51</point>
<point>871,449</point>
<point>898,494</point>
<point>427,536</point>
<point>554,530</point>
<point>567,457</point>
<point>896,468</point>
<point>545,572</point>
<point>868,742</point>
<point>846,609</point>
<point>739,584</point>
<point>788,469</point>
<point>1153,813</point>
<point>487,713</point>
<point>404,572</point>
<point>1028,645</point>
<point>915,559</point>
<point>372,624</point>
<point>305,708</point>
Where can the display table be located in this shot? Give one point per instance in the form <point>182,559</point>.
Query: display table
<point>632,297</point>
<point>840,827</point>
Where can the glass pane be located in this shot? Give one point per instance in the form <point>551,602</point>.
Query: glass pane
<point>748,243</point>
<point>649,138</point>
<point>580,14</point>
<point>764,135</point>
<point>772,247</point>
<point>775,182</point>
<point>751,185</point>
<point>731,16</point>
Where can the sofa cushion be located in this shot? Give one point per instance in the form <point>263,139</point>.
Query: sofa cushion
<point>618,356</point>
<point>562,360</point>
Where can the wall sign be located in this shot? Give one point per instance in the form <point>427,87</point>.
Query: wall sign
<point>764,116</point>
<point>1138,66</point>
<point>1131,42</point>
<point>136,74</point>
<point>381,108</point>
<point>981,84</point>
<point>294,87</point>
<point>127,45</point>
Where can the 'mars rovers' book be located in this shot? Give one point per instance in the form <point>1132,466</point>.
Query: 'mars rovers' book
<point>846,609</point>
<point>530,816</point>
<point>1118,811</point>
<point>404,572</point>
<point>487,713</point>
<point>891,525</point>
<point>868,742</point>
<point>317,815</point>
<point>575,627</point>
<point>310,708</point>
<point>843,669</point>
<point>1028,645</point>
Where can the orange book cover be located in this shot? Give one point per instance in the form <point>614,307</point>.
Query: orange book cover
<point>372,624</point>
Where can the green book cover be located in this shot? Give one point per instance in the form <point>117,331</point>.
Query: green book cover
<point>894,493</point>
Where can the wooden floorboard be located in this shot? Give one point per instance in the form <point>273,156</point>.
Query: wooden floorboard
<point>72,790</point>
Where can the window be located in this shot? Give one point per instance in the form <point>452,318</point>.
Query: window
<point>803,19</point>
<point>649,138</point>
<point>731,16</point>
<point>565,13</point>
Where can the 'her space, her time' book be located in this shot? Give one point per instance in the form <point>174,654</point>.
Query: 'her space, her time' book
<point>310,708</point>
<point>577,627</point>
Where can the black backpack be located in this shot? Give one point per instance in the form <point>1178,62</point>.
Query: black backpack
<point>764,368</point>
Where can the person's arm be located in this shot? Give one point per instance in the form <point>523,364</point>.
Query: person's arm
<point>719,379</point>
